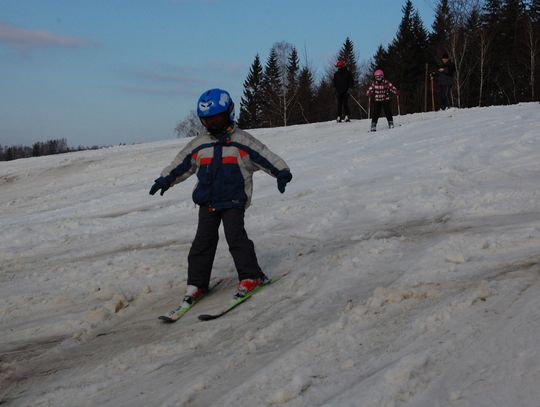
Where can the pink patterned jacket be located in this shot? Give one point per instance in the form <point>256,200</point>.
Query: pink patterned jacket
<point>380,91</point>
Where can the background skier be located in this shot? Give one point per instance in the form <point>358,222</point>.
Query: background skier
<point>224,159</point>
<point>445,80</point>
<point>379,91</point>
<point>343,81</point>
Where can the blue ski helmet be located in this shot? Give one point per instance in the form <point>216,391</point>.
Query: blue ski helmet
<point>214,102</point>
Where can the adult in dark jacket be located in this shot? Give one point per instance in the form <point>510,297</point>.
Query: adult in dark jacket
<point>445,80</point>
<point>343,81</point>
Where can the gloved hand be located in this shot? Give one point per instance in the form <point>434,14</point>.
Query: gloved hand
<point>160,184</point>
<point>283,178</point>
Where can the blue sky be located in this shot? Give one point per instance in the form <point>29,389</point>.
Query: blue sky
<point>103,72</point>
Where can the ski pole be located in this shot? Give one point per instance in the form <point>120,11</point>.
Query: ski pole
<point>432,94</point>
<point>398,107</point>
<point>369,109</point>
<point>358,103</point>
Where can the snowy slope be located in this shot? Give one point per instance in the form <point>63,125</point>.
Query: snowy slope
<point>414,273</point>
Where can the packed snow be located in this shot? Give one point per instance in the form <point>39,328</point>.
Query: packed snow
<point>413,257</point>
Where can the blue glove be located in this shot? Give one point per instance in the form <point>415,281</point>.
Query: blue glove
<point>283,178</point>
<point>162,183</point>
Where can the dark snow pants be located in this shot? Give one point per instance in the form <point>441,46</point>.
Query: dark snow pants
<point>443,95</point>
<point>203,249</point>
<point>377,107</point>
<point>342,104</point>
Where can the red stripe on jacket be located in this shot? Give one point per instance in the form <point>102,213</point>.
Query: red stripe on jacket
<point>229,160</point>
<point>224,160</point>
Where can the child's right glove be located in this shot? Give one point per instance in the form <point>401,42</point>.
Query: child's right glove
<point>283,178</point>
<point>161,183</point>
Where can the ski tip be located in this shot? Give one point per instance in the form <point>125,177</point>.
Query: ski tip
<point>166,319</point>
<point>207,317</point>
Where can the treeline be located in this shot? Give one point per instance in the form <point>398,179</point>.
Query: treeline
<point>38,149</point>
<point>494,45</point>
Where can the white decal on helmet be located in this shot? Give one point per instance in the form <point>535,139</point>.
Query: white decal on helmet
<point>205,106</point>
<point>224,99</point>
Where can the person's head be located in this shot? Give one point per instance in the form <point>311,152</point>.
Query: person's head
<point>445,58</point>
<point>215,109</point>
<point>340,64</point>
<point>378,74</point>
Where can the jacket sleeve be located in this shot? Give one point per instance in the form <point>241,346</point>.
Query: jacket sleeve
<point>392,88</point>
<point>183,165</point>
<point>369,92</point>
<point>261,156</point>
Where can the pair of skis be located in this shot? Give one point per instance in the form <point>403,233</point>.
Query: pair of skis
<point>184,308</point>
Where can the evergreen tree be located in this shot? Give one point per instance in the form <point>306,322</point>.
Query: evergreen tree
<point>272,92</point>
<point>504,20</point>
<point>534,12</point>
<point>513,29</point>
<point>252,103</point>
<point>379,60</point>
<point>474,62</point>
<point>441,29</point>
<point>293,115</point>
<point>305,100</point>
<point>348,55</point>
<point>325,96</point>
<point>406,59</point>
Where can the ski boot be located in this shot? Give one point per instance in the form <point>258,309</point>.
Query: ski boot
<point>373,127</point>
<point>248,285</point>
<point>347,119</point>
<point>338,119</point>
<point>192,295</point>
<point>390,125</point>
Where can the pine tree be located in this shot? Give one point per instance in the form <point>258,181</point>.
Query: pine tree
<point>475,61</point>
<point>504,20</point>
<point>272,92</point>
<point>348,55</point>
<point>305,100</point>
<point>325,107</point>
<point>292,113</point>
<point>252,103</point>
<point>534,12</point>
<point>441,29</point>
<point>406,59</point>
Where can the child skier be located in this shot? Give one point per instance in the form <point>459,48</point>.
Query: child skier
<point>224,160</point>
<point>380,92</point>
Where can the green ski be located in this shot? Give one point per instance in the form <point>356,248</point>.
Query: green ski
<point>237,301</point>
<point>182,309</point>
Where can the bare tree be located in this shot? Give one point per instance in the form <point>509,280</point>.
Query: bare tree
<point>288,90</point>
<point>484,44</point>
<point>533,45</point>
<point>191,126</point>
<point>459,40</point>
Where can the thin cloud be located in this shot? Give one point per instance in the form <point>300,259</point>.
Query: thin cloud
<point>230,69</point>
<point>157,91</point>
<point>160,77</point>
<point>30,39</point>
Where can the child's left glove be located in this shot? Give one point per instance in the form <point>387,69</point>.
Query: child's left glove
<point>283,178</point>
